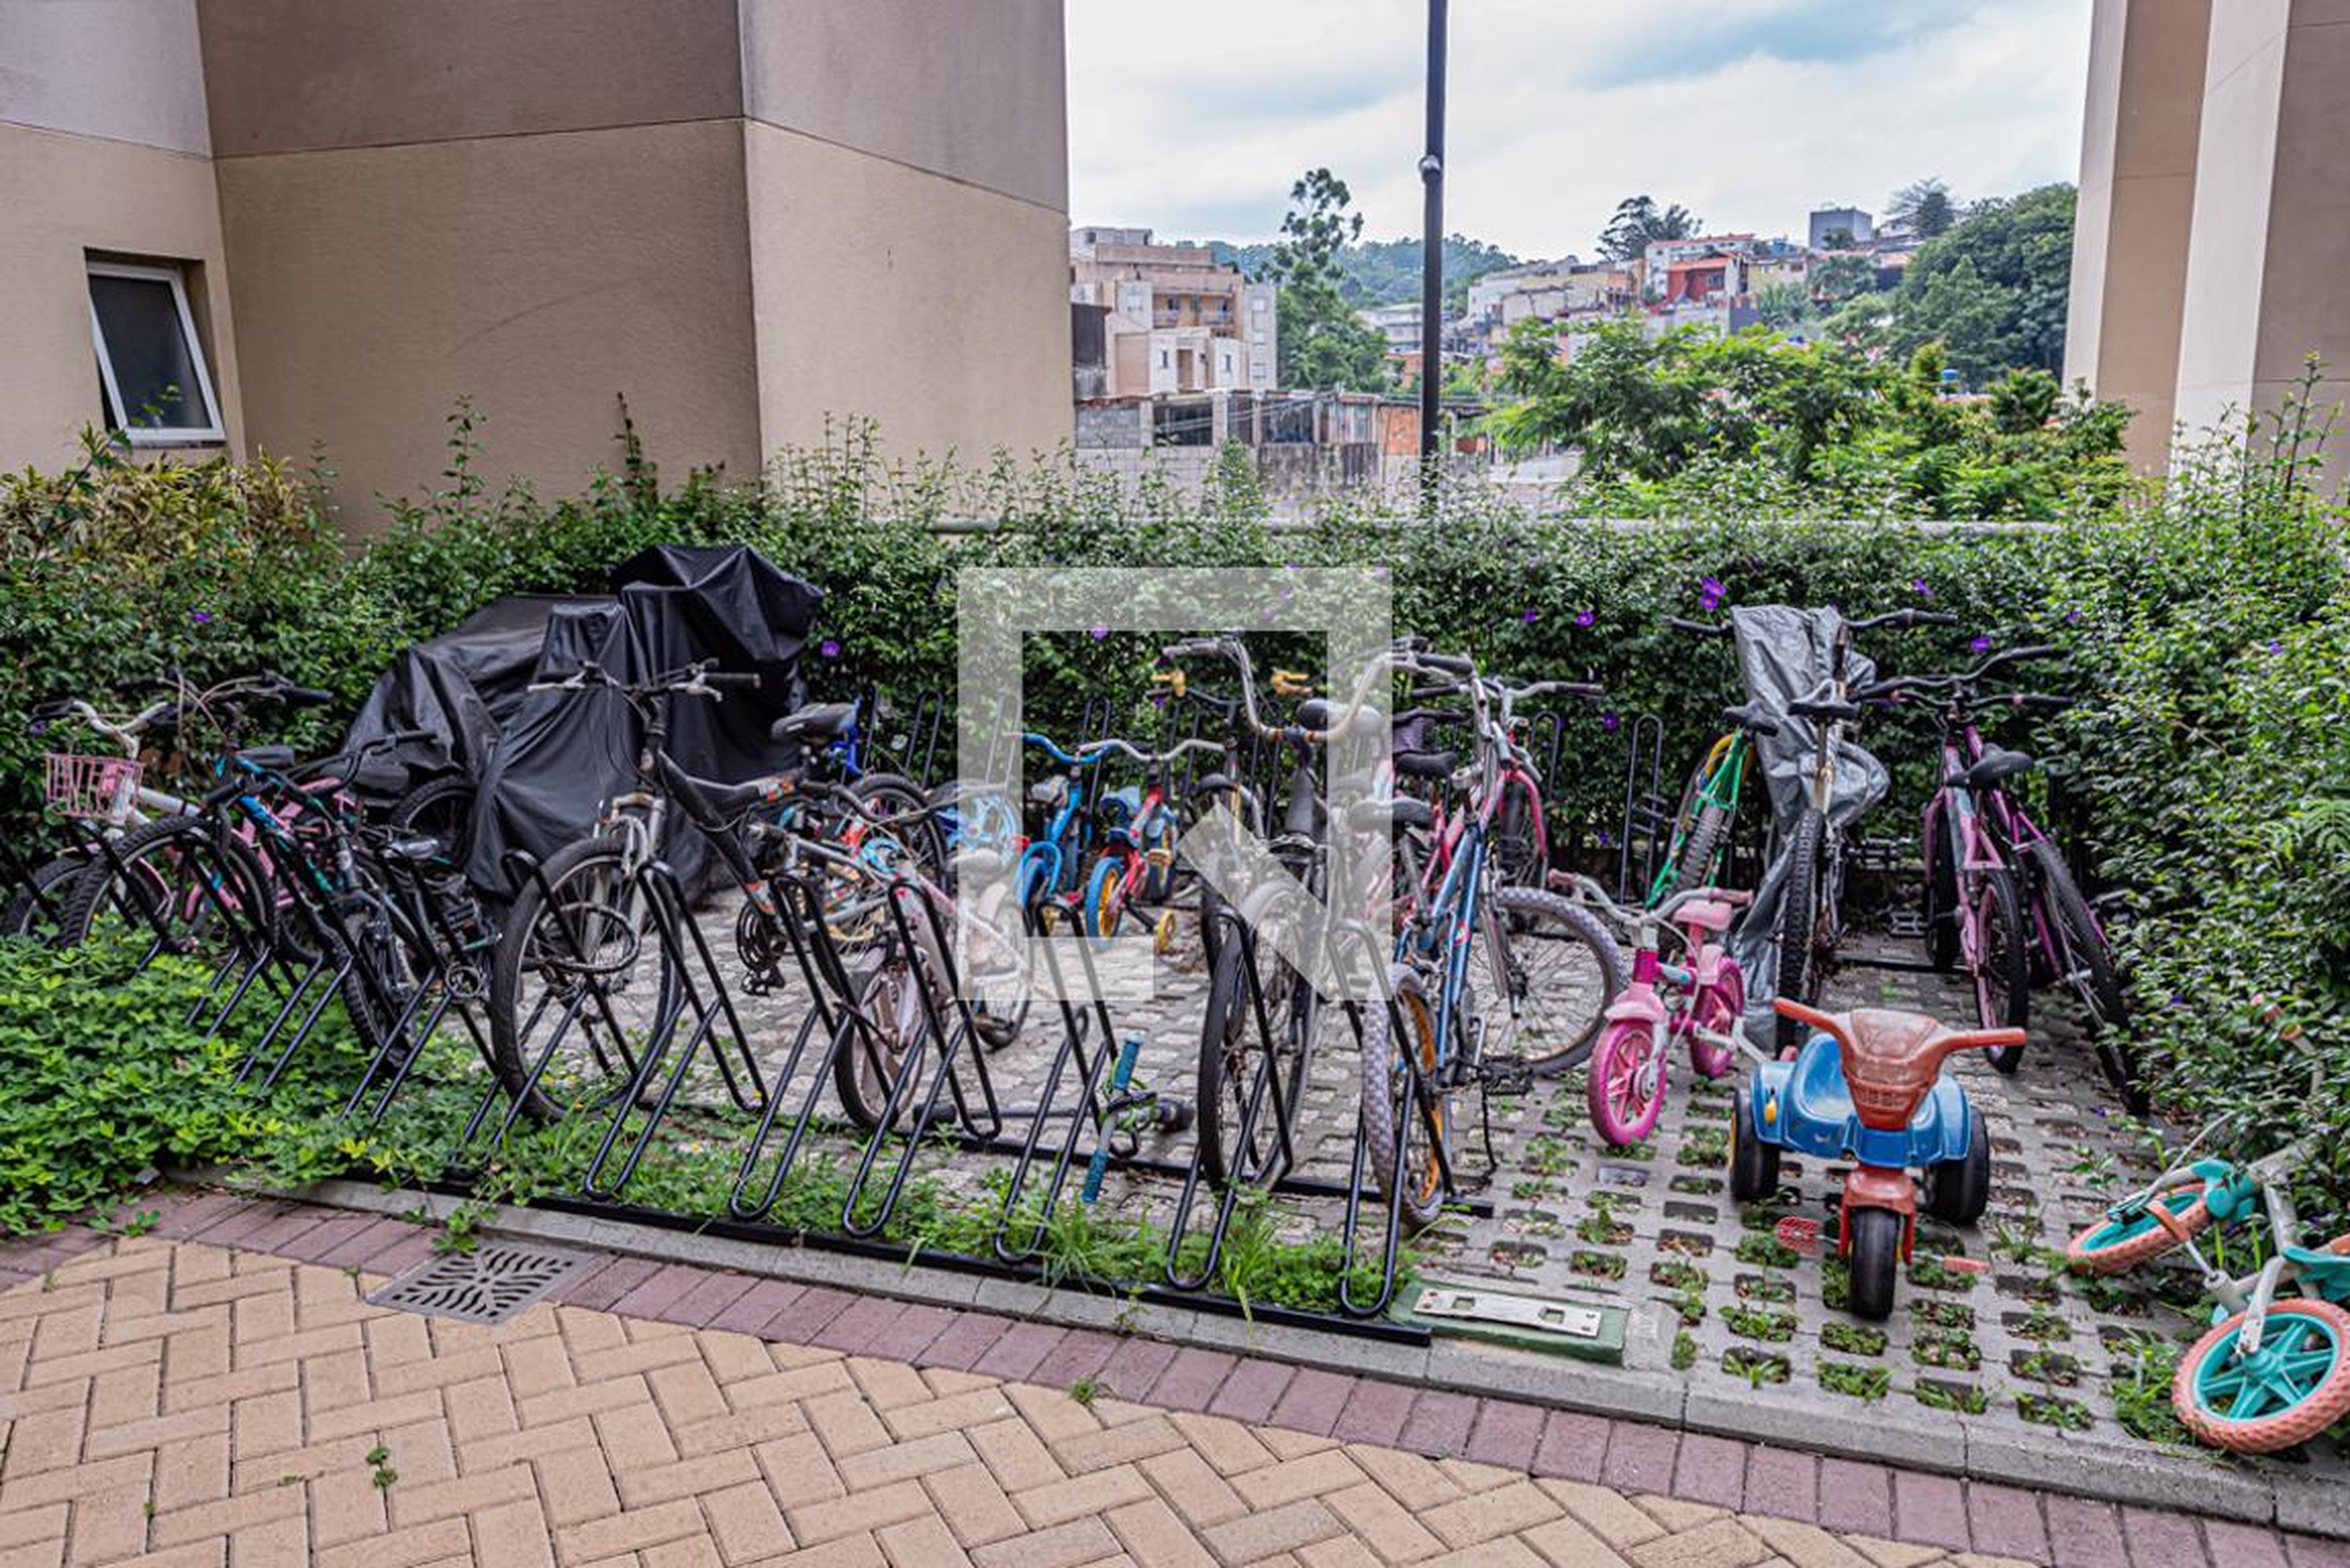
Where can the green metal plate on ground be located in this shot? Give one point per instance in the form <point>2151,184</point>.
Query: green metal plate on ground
<point>1558,1326</point>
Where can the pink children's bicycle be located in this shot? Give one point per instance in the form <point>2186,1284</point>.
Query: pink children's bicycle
<point>1696,1002</point>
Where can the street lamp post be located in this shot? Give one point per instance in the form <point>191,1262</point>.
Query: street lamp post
<point>1431,277</point>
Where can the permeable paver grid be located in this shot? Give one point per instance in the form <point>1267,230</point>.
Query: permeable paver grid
<point>173,1402</point>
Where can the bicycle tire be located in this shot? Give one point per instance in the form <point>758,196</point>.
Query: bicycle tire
<point>442,811</point>
<point>2103,995</point>
<point>1527,914</point>
<point>1519,844</point>
<point>517,950</point>
<point>901,796</point>
<point>144,849</point>
<point>1797,976</point>
<point>1230,1061</point>
<point>361,1005</point>
<point>2003,967</point>
<point>1408,1015</point>
<point>34,910</point>
<point>1940,892</point>
<point>1705,840</point>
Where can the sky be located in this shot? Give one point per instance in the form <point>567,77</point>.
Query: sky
<point>1194,120</point>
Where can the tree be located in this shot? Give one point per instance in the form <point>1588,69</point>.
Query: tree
<point>1324,346</point>
<point>1840,278</point>
<point>1783,306</point>
<point>1638,221</point>
<point>1994,288</point>
<point>1924,207</point>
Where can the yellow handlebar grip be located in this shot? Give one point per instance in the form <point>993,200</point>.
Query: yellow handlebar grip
<point>1289,683</point>
<point>1173,679</point>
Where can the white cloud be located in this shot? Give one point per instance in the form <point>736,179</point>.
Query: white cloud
<point>1195,121</point>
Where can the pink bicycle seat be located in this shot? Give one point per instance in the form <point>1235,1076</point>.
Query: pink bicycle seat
<point>1705,914</point>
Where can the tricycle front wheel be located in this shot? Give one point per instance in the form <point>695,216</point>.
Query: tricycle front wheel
<point>1875,1260</point>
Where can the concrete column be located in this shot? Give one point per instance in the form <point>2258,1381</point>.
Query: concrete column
<point>2271,223</point>
<point>2138,151</point>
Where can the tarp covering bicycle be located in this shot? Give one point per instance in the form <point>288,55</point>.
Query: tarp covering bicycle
<point>464,686</point>
<point>1786,655</point>
<point>558,760</point>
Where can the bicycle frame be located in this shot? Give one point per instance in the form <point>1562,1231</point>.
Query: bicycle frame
<point>1723,776</point>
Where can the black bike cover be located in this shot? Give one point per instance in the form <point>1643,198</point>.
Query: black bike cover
<point>465,685</point>
<point>564,754</point>
<point>1784,654</point>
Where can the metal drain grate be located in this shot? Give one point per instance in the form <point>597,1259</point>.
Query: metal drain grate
<point>491,1283</point>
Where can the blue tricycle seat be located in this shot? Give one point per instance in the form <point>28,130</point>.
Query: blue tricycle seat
<point>1805,1105</point>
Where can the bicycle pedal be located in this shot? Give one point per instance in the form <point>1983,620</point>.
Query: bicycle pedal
<point>1505,1074</point>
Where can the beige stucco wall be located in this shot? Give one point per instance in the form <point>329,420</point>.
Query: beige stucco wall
<point>64,196</point>
<point>542,276</point>
<point>123,70</point>
<point>2136,205</point>
<point>947,320</point>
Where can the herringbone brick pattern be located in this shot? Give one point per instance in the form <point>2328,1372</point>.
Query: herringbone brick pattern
<point>181,1403</point>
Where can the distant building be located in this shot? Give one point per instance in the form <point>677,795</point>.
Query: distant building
<point>1841,229</point>
<point>1398,324</point>
<point>1172,318</point>
<point>1663,256</point>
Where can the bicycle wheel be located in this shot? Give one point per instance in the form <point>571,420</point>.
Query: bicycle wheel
<point>2003,965</point>
<point>380,983</point>
<point>1625,1092</point>
<point>1940,891</point>
<point>442,811</point>
<point>906,814</point>
<point>582,978</point>
<point>33,912</point>
<point>1564,969</point>
<point>176,885</point>
<point>1519,843</point>
<point>874,1054</point>
<point>1701,848</point>
<point>1233,1052</point>
<point>1399,1087</point>
<point>2091,973</point>
<point>1800,919</point>
<point>2286,1393</point>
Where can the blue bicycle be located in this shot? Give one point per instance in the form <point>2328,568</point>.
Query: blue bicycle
<point>1046,879</point>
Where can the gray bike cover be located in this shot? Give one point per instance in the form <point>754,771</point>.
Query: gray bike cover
<point>1784,654</point>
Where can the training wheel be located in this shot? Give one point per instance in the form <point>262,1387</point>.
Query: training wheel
<point>1162,933</point>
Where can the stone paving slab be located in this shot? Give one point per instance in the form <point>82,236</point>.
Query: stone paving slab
<point>170,1401</point>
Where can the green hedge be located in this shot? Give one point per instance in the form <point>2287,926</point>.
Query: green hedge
<point>2209,621</point>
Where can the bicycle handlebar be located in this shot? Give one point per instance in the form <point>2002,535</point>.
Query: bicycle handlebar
<point>1085,758</point>
<point>1698,628</point>
<point>694,680</point>
<point>1093,751</point>
<point>1904,618</point>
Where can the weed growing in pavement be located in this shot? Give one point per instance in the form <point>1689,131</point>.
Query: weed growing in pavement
<point>1759,1367</point>
<point>1085,1390</point>
<point>2142,1369</point>
<point>1859,1382</point>
<point>1852,1338</point>
<point>2046,1410</point>
<point>1684,1351</point>
<point>1751,1322</point>
<point>1765,1251</point>
<point>1950,1352</point>
<point>1962,1398</point>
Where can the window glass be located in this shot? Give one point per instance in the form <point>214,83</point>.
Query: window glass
<point>158,380</point>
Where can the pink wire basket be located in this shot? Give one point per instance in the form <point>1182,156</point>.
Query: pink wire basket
<point>93,789</point>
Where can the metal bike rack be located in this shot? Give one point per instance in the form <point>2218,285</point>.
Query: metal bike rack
<point>1647,815</point>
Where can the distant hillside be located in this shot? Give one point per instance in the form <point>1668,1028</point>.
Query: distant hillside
<point>1386,272</point>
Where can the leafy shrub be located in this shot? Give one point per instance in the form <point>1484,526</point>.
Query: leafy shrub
<point>104,1080</point>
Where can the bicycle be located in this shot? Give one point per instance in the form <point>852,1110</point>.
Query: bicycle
<point>2271,1371</point>
<point>589,912</point>
<point>1433,1038</point>
<point>1138,859</point>
<point>1810,924</point>
<point>1044,879</point>
<point>1999,900</point>
<point>1697,1002</point>
<point>1708,814</point>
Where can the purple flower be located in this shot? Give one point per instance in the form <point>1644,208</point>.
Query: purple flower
<point>1531,617</point>
<point>202,617</point>
<point>2074,617</point>
<point>1098,633</point>
<point>1611,720</point>
<point>1922,587</point>
<point>1981,645</point>
<point>829,648</point>
<point>2275,646</point>
<point>1607,839</point>
<point>1710,586</point>
<point>1586,617</point>
<point>1709,601</point>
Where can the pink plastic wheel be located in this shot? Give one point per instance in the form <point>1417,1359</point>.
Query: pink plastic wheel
<point>1718,1009</point>
<point>1625,1085</point>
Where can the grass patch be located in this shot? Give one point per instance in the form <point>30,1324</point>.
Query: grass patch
<point>1852,1338</point>
<point>1856,1382</point>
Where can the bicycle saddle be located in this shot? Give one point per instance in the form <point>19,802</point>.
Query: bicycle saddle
<point>1370,815</point>
<point>1750,716</point>
<point>1316,713</point>
<point>1823,708</point>
<point>1049,790</point>
<point>1997,764</point>
<point>273,758</point>
<point>1436,765</point>
<point>1891,1058</point>
<point>816,721</point>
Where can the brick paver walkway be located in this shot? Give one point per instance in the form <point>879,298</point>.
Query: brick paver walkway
<point>179,1403</point>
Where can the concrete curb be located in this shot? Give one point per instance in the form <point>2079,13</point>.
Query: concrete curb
<point>2071,1463</point>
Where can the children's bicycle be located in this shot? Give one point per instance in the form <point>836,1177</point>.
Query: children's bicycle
<point>1046,879</point>
<point>1137,864</point>
<point>1696,999</point>
<point>2273,1370</point>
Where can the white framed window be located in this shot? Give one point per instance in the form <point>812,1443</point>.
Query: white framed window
<point>159,391</point>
